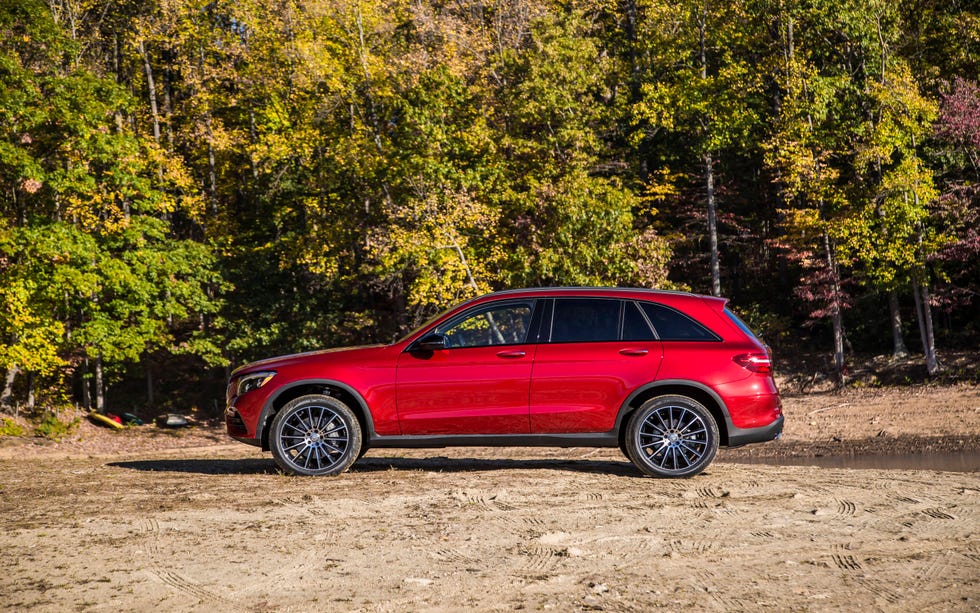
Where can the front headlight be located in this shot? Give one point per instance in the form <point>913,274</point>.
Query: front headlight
<point>254,381</point>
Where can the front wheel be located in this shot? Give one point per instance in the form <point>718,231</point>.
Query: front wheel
<point>671,436</point>
<point>315,435</point>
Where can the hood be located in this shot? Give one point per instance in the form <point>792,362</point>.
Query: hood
<point>321,355</point>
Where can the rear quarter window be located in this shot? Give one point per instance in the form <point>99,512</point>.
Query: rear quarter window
<point>741,324</point>
<point>672,325</point>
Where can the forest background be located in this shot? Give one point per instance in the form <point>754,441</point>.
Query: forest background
<point>187,185</point>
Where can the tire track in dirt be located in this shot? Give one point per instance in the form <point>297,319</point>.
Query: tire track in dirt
<point>495,509</point>
<point>681,546</point>
<point>972,552</point>
<point>937,513</point>
<point>537,560</point>
<point>452,556</point>
<point>880,590</point>
<point>843,559</point>
<point>302,506</point>
<point>846,508</point>
<point>625,547</point>
<point>531,522</point>
<point>933,570</point>
<point>484,500</point>
<point>846,562</point>
<point>707,583</point>
<point>152,534</point>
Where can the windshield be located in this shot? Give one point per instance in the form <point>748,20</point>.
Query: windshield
<point>427,323</point>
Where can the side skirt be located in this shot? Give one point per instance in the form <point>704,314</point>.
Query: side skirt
<point>435,441</point>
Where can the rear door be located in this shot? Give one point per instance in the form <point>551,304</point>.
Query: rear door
<point>595,352</point>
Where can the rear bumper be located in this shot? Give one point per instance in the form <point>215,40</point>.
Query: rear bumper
<point>744,436</point>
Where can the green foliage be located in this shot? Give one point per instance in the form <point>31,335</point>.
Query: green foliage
<point>51,426</point>
<point>225,180</point>
<point>775,330</point>
<point>9,427</point>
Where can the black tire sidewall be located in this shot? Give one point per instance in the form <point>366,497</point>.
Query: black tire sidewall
<point>639,459</point>
<point>350,421</point>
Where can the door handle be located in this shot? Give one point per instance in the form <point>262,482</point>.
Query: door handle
<point>511,354</point>
<point>634,352</point>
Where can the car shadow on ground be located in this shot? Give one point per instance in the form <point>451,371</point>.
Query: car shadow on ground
<point>449,465</point>
<point>204,466</point>
<point>259,466</point>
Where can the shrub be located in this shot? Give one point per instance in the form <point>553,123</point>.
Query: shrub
<point>9,427</point>
<point>51,427</point>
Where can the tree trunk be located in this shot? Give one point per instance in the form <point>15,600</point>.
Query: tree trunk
<point>168,108</point>
<point>152,90</point>
<point>899,350</point>
<point>917,297</point>
<point>8,386</point>
<point>928,338</point>
<point>635,82</point>
<point>920,292</point>
<point>86,390</point>
<point>709,165</point>
<point>30,391</point>
<point>932,361</point>
<point>709,182</point>
<point>209,132</point>
<point>835,309</point>
<point>255,139</point>
<point>212,174</point>
<point>99,388</point>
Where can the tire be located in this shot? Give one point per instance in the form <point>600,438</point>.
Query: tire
<point>622,445</point>
<point>315,436</point>
<point>671,436</point>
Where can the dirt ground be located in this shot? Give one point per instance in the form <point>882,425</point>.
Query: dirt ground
<point>147,519</point>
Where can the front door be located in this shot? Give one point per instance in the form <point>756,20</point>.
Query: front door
<point>479,384</point>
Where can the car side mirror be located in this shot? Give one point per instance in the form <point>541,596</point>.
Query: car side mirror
<point>432,342</point>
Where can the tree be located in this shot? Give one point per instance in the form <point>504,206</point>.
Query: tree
<point>88,249</point>
<point>806,155</point>
<point>566,220</point>
<point>708,98</point>
<point>895,244</point>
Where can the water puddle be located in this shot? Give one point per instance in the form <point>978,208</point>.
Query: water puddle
<point>960,462</point>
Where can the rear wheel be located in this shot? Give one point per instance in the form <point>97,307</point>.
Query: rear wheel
<point>315,435</point>
<point>671,436</point>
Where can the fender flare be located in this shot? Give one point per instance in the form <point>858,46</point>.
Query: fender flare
<point>626,407</point>
<point>269,410</point>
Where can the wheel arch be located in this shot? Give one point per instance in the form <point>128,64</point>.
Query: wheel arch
<point>681,387</point>
<point>328,387</point>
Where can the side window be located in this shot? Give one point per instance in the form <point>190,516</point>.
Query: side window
<point>578,320</point>
<point>673,325</point>
<point>504,324</point>
<point>635,326</point>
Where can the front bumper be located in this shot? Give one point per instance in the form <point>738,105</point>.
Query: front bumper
<point>236,428</point>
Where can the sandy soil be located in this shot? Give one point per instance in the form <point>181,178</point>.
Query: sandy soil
<point>144,519</point>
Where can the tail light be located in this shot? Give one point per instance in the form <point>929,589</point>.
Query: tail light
<point>756,362</point>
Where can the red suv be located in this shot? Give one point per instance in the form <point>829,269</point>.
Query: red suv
<point>665,376</point>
